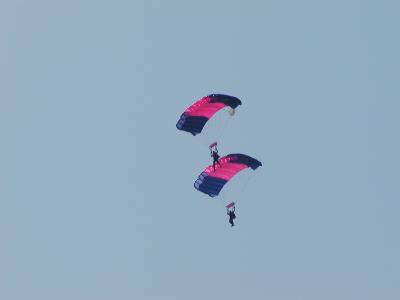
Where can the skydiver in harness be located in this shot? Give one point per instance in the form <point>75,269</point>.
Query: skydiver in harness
<point>230,211</point>
<point>214,154</point>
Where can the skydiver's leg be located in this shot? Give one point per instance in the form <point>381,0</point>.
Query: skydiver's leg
<point>216,161</point>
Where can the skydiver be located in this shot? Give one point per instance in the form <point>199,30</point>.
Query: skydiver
<point>231,214</point>
<point>215,156</point>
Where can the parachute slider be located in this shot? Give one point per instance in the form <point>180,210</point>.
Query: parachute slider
<point>231,111</point>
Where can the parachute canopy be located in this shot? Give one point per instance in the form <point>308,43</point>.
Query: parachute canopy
<point>196,116</point>
<point>211,182</point>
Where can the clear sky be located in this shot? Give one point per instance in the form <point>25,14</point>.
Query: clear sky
<point>96,184</point>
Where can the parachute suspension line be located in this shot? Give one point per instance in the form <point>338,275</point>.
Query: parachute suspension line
<point>202,140</point>
<point>236,191</point>
<point>236,195</point>
<point>244,185</point>
<point>246,182</point>
<point>209,136</point>
<point>224,126</point>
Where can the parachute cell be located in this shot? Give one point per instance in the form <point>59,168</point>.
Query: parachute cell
<point>211,182</point>
<point>196,116</point>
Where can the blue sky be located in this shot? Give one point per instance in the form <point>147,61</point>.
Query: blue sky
<point>96,184</point>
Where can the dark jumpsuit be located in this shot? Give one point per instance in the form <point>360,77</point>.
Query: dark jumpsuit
<point>215,157</point>
<point>232,217</point>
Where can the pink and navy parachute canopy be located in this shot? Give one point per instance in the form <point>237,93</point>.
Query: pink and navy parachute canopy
<point>196,116</point>
<point>211,182</point>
